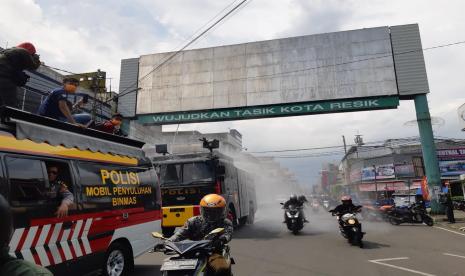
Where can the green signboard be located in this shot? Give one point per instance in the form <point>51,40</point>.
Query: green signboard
<point>279,110</point>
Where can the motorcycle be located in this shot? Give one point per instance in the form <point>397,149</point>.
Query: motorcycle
<point>192,257</point>
<point>413,214</point>
<point>294,218</point>
<point>350,227</point>
<point>315,206</point>
<point>326,204</point>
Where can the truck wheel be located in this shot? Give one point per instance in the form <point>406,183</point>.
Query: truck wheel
<point>118,260</point>
<point>168,231</point>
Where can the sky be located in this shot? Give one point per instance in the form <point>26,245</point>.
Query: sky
<point>85,35</point>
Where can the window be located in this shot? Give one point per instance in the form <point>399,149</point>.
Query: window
<point>27,181</point>
<point>171,174</point>
<point>197,172</point>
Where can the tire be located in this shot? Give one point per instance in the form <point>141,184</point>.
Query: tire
<point>295,231</point>
<point>242,221</point>
<point>428,220</point>
<point>361,245</point>
<point>168,231</point>
<point>118,260</point>
<point>394,221</point>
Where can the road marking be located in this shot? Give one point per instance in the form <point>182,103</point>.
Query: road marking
<point>380,262</point>
<point>445,229</point>
<point>453,255</point>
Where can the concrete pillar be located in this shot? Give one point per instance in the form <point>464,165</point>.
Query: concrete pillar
<point>428,147</point>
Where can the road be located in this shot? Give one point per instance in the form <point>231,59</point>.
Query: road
<point>267,248</point>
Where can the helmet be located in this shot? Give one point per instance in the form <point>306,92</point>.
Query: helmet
<point>346,199</point>
<point>28,47</point>
<point>213,208</point>
<point>6,222</point>
<point>293,197</point>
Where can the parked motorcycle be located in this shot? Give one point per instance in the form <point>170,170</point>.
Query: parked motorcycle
<point>350,228</point>
<point>191,257</point>
<point>413,214</point>
<point>294,218</point>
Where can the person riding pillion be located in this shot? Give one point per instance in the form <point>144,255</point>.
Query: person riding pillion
<point>296,201</point>
<point>212,216</point>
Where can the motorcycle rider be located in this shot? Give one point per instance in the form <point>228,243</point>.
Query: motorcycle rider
<point>346,207</point>
<point>212,216</point>
<point>296,201</point>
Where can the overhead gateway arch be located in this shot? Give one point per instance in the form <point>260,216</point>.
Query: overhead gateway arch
<point>355,70</point>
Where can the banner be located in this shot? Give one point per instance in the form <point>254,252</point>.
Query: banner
<point>451,154</point>
<point>405,170</point>
<point>425,189</point>
<point>452,168</point>
<point>385,171</point>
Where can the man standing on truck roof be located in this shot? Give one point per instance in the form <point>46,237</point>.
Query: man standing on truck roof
<point>13,62</point>
<point>55,106</point>
<point>9,265</point>
<point>59,191</point>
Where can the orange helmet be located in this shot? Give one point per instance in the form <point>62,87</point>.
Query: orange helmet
<point>213,208</point>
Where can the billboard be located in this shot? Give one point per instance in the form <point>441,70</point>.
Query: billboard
<point>385,171</point>
<point>323,73</point>
<point>452,167</point>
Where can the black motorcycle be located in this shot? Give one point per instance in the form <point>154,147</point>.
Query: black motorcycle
<point>350,227</point>
<point>413,214</point>
<point>294,218</point>
<point>192,257</point>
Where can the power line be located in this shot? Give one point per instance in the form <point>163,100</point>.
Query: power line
<point>58,69</point>
<point>400,142</point>
<point>169,58</point>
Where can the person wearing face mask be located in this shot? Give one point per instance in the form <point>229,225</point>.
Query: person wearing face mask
<point>110,126</point>
<point>56,106</point>
<point>13,62</point>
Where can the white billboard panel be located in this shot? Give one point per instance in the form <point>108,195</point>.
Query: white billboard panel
<point>331,66</point>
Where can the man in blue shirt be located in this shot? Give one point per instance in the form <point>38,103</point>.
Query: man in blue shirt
<point>56,105</point>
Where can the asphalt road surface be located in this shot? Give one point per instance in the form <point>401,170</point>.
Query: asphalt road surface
<point>267,248</point>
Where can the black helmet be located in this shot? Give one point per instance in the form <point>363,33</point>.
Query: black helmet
<point>6,222</point>
<point>293,197</point>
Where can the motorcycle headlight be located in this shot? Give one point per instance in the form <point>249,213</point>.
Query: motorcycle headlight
<point>351,221</point>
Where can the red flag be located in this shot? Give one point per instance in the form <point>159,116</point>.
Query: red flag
<point>424,188</point>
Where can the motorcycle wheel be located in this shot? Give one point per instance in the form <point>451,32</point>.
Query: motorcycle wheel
<point>428,221</point>
<point>360,244</point>
<point>394,221</point>
<point>295,231</point>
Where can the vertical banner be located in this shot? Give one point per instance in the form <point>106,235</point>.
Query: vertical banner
<point>425,189</point>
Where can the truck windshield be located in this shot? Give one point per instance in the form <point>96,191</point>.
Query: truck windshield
<point>186,173</point>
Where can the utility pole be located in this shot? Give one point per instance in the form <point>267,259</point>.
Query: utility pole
<point>345,145</point>
<point>376,184</point>
<point>428,149</point>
